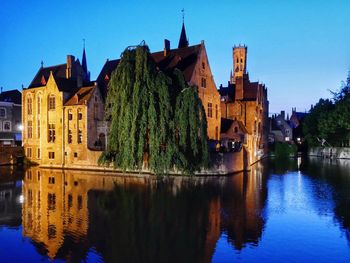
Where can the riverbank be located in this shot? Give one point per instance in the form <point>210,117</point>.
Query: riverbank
<point>330,152</point>
<point>222,164</point>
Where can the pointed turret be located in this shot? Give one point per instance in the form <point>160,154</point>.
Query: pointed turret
<point>84,65</point>
<point>183,42</point>
<point>83,61</point>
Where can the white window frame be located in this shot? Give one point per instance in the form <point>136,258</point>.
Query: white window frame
<point>3,126</point>
<point>2,108</point>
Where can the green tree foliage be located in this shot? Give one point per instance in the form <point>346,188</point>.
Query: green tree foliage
<point>155,118</point>
<point>330,119</point>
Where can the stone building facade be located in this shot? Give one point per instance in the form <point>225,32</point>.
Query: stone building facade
<point>61,110</point>
<point>246,102</point>
<point>10,118</point>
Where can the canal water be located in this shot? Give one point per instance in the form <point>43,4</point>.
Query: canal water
<point>281,211</point>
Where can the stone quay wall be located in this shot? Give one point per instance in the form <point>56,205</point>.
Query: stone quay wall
<point>9,155</point>
<point>222,164</point>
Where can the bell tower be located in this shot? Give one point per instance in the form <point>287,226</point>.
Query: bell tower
<point>239,62</point>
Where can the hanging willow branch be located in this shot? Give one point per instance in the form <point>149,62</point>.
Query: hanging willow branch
<point>157,120</point>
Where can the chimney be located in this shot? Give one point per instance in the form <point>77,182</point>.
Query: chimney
<point>70,62</point>
<point>166,47</point>
<point>283,114</point>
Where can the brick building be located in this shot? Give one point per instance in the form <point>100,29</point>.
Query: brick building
<point>246,102</point>
<point>193,62</point>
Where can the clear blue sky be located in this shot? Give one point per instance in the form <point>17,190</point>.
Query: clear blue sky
<point>298,48</point>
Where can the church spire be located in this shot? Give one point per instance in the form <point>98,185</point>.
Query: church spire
<point>183,42</point>
<point>84,64</point>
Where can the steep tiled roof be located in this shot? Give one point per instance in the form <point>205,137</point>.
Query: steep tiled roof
<point>184,59</point>
<point>227,123</point>
<point>82,96</point>
<point>105,75</point>
<point>228,92</point>
<point>14,96</point>
<point>58,71</point>
<point>250,90</point>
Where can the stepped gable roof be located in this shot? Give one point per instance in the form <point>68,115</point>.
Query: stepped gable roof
<point>14,96</point>
<point>82,96</point>
<point>184,59</point>
<point>58,71</point>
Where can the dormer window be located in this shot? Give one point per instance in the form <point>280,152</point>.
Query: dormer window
<point>43,81</point>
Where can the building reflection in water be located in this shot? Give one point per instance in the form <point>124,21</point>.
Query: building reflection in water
<point>10,197</point>
<point>66,213</point>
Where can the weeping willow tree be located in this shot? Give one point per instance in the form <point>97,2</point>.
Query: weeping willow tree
<point>157,120</point>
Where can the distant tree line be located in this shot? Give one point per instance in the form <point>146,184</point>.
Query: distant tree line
<point>328,123</point>
<point>157,119</point>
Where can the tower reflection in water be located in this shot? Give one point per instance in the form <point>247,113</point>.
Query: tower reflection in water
<point>69,214</point>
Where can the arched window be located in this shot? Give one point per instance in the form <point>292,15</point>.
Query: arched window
<point>52,102</point>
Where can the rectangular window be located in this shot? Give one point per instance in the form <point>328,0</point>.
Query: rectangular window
<point>29,106</point>
<point>2,113</point>
<point>51,180</point>
<point>52,103</point>
<point>30,129</point>
<point>203,83</point>
<point>80,136</point>
<point>75,154</point>
<point>38,153</point>
<point>70,116</point>
<point>7,126</point>
<point>29,152</point>
<point>70,136</point>
<point>216,112</point>
<point>51,133</point>
<point>38,129</point>
<point>80,115</point>
<point>51,201</point>
<point>51,155</point>
<point>29,175</point>
<point>39,105</point>
<point>210,110</point>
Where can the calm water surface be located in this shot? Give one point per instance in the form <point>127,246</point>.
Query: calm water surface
<point>282,211</point>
